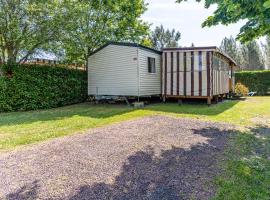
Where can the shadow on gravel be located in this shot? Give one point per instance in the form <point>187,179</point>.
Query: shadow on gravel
<point>175,174</point>
<point>27,192</point>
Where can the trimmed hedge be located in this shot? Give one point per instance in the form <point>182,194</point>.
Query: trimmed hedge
<point>256,81</point>
<point>31,87</point>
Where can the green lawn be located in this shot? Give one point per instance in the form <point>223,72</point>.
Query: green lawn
<point>235,112</point>
<point>246,163</point>
<point>17,129</point>
<point>246,167</point>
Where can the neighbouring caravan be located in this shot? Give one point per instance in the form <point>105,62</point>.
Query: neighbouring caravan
<point>196,72</point>
<point>124,69</point>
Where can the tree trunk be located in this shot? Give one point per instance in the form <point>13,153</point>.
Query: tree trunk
<point>11,57</point>
<point>1,71</point>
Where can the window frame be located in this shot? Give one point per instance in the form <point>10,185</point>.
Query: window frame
<point>151,65</point>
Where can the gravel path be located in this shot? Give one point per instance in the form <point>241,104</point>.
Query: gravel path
<point>150,158</point>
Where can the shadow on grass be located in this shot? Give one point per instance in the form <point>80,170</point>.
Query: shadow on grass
<point>177,173</point>
<point>262,130</point>
<point>247,168</point>
<point>194,109</point>
<point>85,110</point>
<point>106,111</point>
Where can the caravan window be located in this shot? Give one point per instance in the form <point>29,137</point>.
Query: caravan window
<point>151,65</point>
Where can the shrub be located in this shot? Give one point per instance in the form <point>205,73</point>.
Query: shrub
<point>30,87</point>
<point>241,90</point>
<point>256,81</point>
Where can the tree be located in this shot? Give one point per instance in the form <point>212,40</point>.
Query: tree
<point>249,56</point>
<point>256,12</point>
<point>267,52</point>
<point>147,42</point>
<point>252,58</point>
<point>27,25</point>
<point>230,47</point>
<point>71,28</point>
<point>93,23</point>
<point>162,38</point>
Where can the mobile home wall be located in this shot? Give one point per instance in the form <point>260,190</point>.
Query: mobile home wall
<point>121,69</point>
<point>187,73</point>
<point>113,71</point>
<point>195,73</point>
<point>149,83</point>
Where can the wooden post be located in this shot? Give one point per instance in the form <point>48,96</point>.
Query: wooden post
<point>221,97</point>
<point>164,99</point>
<point>216,99</point>
<point>209,101</point>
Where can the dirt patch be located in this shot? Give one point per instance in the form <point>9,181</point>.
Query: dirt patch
<point>150,158</point>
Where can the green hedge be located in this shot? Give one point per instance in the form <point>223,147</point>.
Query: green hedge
<point>256,81</point>
<point>31,87</point>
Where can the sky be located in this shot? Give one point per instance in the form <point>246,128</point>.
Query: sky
<point>187,18</point>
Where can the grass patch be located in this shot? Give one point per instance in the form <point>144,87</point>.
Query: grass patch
<point>247,167</point>
<point>234,112</point>
<point>22,128</point>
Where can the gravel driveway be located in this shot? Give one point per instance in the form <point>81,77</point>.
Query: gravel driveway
<point>149,158</point>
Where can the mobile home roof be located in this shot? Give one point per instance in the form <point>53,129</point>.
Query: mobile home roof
<point>206,48</point>
<point>127,44</point>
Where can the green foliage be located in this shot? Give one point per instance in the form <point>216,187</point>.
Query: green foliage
<point>71,29</point>
<point>93,23</point>
<point>161,38</point>
<point>256,12</point>
<point>28,25</point>
<point>30,87</point>
<point>252,58</point>
<point>241,89</point>
<point>266,48</point>
<point>249,56</point>
<point>256,81</point>
<point>230,47</point>
<point>146,42</point>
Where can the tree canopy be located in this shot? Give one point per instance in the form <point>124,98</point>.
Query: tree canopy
<point>71,28</point>
<point>267,52</point>
<point>249,55</point>
<point>96,22</point>
<point>252,57</point>
<point>256,12</point>
<point>161,38</point>
<point>26,25</point>
<point>230,47</point>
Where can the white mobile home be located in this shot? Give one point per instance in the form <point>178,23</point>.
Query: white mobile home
<point>124,69</point>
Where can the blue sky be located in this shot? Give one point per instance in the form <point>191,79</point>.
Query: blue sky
<point>187,17</point>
